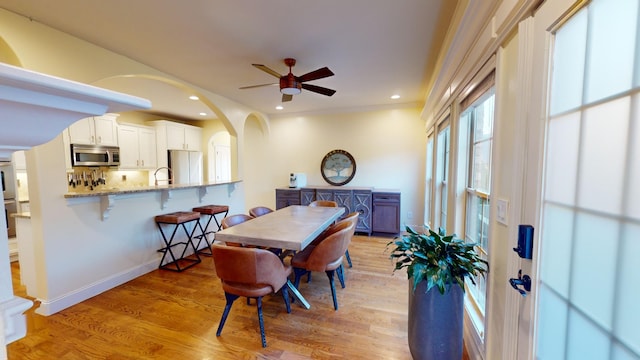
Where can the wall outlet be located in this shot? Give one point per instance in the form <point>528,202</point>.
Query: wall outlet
<point>409,215</point>
<point>124,177</point>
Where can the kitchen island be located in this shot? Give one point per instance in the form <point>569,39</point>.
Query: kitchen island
<point>108,195</point>
<point>87,242</point>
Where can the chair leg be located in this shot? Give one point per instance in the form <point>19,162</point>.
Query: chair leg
<point>340,272</point>
<point>346,254</point>
<point>230,299</point>
<point>261,321</point>
<point>333,288</point>
<point>298,272</point>
<point>285,296</point>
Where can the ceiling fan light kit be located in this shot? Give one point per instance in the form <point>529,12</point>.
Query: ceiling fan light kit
<point>292,85</point>
<point>289,85</point>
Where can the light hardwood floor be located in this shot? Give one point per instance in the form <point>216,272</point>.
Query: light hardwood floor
<point>167,315</point>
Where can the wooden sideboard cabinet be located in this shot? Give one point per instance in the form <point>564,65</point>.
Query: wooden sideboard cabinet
<point>386,212</point>
<point>286,197</point>
<point>352,199</point>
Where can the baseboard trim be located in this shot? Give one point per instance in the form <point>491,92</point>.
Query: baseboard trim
<point>51,306</point>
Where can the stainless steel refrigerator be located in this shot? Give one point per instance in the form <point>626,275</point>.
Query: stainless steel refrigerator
<point>186,166</point>
<point>7,184</point>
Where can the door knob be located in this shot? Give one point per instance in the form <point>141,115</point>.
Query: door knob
<point>524,281</point>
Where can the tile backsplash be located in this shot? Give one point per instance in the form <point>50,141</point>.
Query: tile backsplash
<point>105,178</point>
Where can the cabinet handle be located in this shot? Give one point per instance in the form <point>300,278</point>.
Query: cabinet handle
<point>142,161</point>
<point>99,139</point>
<point>93,139</point>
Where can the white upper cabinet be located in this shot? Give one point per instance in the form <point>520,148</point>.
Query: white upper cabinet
<point>177,136</point>
<point>137,147</point>
<point>97,130</point>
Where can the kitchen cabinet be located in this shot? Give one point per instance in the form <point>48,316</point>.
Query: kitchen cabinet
<point>18,160</point>
<point>96,130</point>
<point>177,136</point>
<point>137,147</point>
<point>386,212</point>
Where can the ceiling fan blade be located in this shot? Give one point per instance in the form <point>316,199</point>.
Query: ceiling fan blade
<point>255,86</point>
<point>267,70</point>
<point>316,74</point>
<point>286,97</point>
<point>318,89</point>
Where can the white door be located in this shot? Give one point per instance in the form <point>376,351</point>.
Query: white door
<point>223,162</point>
<point>586,208</point>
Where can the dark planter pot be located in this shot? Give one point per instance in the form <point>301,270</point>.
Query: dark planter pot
<point>435,323</point>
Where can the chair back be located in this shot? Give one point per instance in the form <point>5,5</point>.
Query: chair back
<point>248,266</point>
<point>327,255</point>
<point>259,211</point>
<point>323,203</point>
<point>236,219</point>
<point>232,220</point>
<point>350,218</point>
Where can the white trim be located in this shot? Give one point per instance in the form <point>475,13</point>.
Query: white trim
<point>472,340</point>
<point>50,307</point>
<point>15,324</point>
<point>513,299</point>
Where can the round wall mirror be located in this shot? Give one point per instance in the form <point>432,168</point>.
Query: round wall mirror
<point>338,167</point>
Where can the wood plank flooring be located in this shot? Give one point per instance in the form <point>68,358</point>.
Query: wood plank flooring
<point>167,315</point>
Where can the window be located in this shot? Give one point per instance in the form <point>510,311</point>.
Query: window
<point>428,183</point>
<point>475,141</point>
<point>442,175</point>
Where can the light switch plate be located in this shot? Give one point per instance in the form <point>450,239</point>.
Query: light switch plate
<point>503,210</point>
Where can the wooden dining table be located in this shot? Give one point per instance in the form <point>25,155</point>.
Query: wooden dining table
<point>291,228</point>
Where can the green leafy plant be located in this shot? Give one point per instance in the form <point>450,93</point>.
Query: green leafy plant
<point>439,259</point>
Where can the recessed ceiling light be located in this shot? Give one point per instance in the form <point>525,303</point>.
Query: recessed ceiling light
<point>193,97</point>
<point>395,96</point>
<point>279,107</point>
<point>203,114</point>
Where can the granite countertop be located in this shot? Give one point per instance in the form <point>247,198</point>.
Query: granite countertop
<point>141,189</point>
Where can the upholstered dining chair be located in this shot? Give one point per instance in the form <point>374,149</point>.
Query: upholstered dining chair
<point>325,203</point>
<point>253,273</point>
<point>326,256</point>
<point>232,220</point>
<point>330,203</point>
<point>259,211</point>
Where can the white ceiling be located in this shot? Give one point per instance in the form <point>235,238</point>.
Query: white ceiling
<point>376,48</point>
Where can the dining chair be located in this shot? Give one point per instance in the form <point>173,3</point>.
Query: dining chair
<point>326,256</point>
<point>330,203</point>
<point>250,272</point>
<point>232,220</point>
<point>259,211</point>
<point>325,203</point>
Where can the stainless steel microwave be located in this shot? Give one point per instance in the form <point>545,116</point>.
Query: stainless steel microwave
<point>94,155</point>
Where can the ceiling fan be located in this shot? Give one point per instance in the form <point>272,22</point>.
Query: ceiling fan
<point>292,85</point>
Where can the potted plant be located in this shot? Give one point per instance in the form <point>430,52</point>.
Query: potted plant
<point>437,265</point>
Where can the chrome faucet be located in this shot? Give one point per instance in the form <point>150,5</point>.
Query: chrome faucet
<point>169,173</point>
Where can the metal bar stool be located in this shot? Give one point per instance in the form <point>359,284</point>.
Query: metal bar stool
<point>178,218</point>
<point>212,211</point>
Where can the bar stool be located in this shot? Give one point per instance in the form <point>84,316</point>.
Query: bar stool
<point>178,218</point>
<point>212,211</point>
